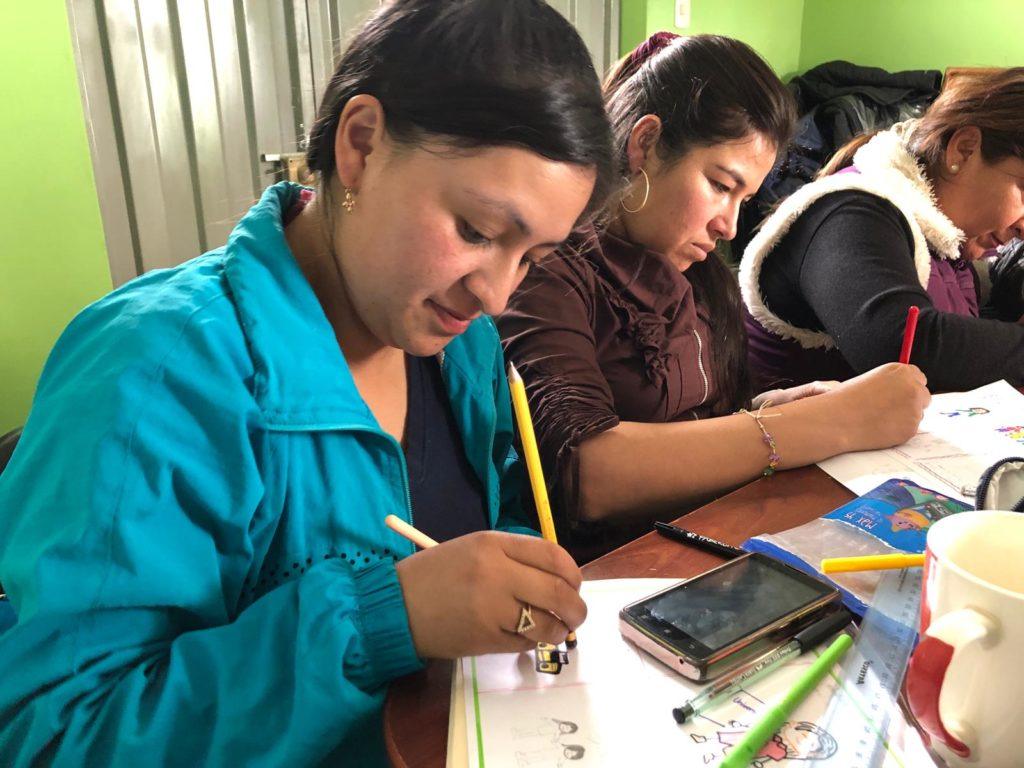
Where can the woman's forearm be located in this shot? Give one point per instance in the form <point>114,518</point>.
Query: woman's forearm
<point>646,467</point>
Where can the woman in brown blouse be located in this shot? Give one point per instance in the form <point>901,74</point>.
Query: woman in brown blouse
<point>632,344</point>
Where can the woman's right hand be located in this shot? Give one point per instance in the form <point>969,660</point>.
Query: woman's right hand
<point>464,597</point>
<point>882,407</point>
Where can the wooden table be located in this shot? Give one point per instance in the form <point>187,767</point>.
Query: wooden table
<point>416,711</point>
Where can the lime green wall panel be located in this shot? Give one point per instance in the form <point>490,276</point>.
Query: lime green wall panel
<point>771,27</point>
<point>632,24</point>
<point>52,259</point>
<point>795,35</point>
<point>913,34</point>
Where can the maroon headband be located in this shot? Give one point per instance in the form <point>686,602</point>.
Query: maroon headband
<point>649,47</point>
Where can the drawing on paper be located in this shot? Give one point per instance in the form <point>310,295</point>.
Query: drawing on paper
<point>557,755</point>
<point>793,741</point>
<point>591,713</point>
<point>1014,433</point>
<point>548,728</point>
<point>961,434</point>
<point>550,742</point>
<point>968,412</point>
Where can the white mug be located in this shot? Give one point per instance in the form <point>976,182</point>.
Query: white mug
<point>965,682</point>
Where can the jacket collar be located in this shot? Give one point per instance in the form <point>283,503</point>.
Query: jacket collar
<point>302,380</point>
<point>647,278</point>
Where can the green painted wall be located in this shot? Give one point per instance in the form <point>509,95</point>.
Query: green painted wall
<point>795,35</point>
<point>52,259</point>
<point>632,24</point>
<point>771,27</point>
<point>913,34</point>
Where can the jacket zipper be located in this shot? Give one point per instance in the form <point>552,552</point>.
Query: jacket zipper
<point>985,482</point>
<point>401,463</point>
<point>401,455</point>
<point>700,365</point>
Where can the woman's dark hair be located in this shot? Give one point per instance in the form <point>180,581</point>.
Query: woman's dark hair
<point>472,74</point>
<point>990,100</point>
<point>707,90</point>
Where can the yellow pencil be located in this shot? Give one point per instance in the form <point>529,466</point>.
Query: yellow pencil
<point>532,457</point>
<point>870,563</point>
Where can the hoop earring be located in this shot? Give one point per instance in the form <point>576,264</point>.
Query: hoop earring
<point>647,194</point>
<point>350,200</point>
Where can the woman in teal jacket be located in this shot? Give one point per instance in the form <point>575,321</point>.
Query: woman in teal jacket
<point>191,529</point>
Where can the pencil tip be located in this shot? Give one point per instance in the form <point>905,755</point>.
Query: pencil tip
<point>512,372</point>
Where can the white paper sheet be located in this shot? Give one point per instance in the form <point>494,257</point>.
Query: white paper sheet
<point>961,435</point>
<point>612,706</point>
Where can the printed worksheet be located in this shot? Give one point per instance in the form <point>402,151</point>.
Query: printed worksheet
<point>961,435</point>
<point>612,706</point>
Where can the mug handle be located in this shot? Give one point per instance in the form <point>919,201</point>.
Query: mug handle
<point>941,643</point>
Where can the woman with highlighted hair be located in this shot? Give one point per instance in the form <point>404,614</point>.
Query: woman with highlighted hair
<point>893,221</point>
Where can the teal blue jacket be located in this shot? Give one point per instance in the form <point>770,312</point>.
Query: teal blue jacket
<point>191,529</point>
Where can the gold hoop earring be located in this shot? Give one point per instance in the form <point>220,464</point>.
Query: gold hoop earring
<point>647,194</point>
<point>350,200</point>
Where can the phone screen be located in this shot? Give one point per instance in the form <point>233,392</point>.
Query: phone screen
<point>728,604</point>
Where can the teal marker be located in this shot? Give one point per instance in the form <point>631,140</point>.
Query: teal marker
<point>759,733</point>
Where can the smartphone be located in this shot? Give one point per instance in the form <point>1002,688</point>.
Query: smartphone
<point>721,619</point>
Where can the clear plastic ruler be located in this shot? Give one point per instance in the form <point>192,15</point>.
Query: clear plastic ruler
<point>860,713</point>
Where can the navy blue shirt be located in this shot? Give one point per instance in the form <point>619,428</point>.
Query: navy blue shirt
<point>447,496</point>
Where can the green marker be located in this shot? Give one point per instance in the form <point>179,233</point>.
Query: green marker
<point>759,733</point>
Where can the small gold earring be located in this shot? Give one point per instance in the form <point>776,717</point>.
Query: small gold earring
<point>350,200</point>
<point>954,168</point>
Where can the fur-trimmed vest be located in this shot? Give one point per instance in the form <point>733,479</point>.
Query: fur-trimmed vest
<point>883,167</point>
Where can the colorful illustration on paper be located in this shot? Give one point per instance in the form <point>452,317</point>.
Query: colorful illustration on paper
<point>799,740</point>
<point>1014,433</point>
<point>968,412</point>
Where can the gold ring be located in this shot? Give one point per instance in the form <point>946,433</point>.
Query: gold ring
<point>526,622</point>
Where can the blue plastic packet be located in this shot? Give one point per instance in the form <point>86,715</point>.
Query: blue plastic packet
<point>892,518</point>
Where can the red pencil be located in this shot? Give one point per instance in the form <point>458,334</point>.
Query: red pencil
<point>908,334</point>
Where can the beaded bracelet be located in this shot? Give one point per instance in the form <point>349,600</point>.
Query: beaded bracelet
<point>766,437</point>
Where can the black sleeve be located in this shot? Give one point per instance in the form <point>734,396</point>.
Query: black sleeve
<point>849,266</point>
<point>1007,299</point>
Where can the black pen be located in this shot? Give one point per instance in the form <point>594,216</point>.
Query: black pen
<point>701,542</point>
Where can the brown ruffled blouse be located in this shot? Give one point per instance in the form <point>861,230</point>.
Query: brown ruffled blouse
<point>605,333</point>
